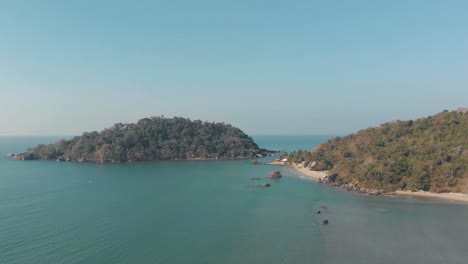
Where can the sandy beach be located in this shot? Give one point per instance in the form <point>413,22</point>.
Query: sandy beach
<point>315,175</point>
<point>460,197</point>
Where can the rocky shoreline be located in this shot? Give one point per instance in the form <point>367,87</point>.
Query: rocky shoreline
<point>331,180</point>
<point>352,187</point>
<point>30,156</point>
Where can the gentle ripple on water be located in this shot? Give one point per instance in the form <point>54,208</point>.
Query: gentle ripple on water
<point>204,212</point>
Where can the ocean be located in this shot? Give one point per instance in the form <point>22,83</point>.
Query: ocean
<point>208,212</point>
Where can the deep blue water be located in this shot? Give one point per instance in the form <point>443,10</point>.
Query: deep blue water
<point>205,212</point>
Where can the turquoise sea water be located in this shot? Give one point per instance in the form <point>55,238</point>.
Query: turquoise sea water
<point>205,212</point>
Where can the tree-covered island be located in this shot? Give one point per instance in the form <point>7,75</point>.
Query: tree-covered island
<point>151,139</point>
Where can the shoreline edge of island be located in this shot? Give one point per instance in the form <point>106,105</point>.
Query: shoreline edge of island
<point>320,175</point>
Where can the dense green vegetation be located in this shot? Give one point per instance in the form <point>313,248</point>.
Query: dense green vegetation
<point>156,138</point>
<point>426,154</point>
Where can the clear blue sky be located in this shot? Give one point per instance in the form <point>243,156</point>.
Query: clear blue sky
<point>269,67</point>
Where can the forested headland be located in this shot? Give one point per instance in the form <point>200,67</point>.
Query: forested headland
<point>427,154</point>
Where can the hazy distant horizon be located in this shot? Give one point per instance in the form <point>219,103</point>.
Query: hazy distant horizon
<point>282,67</point>
<point>221,121</point>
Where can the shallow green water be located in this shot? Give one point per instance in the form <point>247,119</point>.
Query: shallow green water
<point>205,212</point>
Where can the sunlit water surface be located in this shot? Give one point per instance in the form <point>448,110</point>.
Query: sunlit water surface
<point>206,212</point>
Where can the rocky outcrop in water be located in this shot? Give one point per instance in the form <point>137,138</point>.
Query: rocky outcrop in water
<point>275,175</point>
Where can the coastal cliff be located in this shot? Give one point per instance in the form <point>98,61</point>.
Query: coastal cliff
<point>427,154</point>
<point>156,138</point>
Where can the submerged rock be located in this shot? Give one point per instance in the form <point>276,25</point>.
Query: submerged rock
<point>275,175</point>
<point>255,179</point>
<point>260,185</point>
